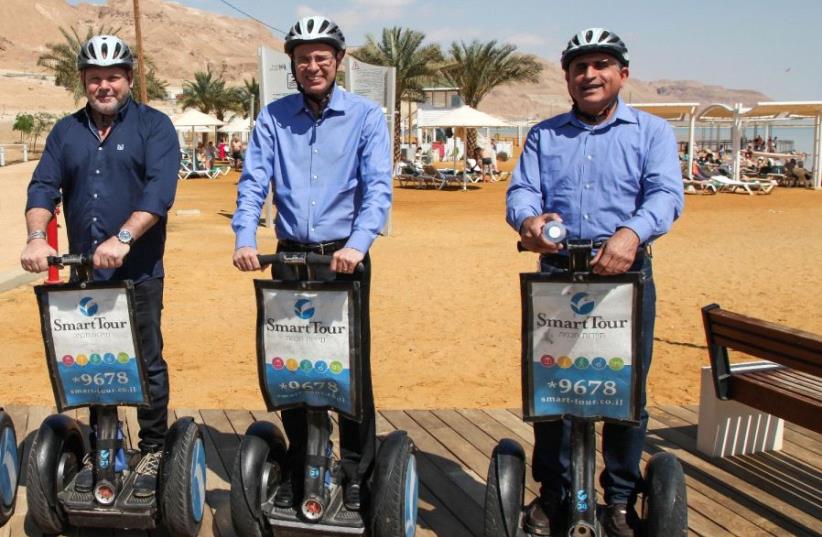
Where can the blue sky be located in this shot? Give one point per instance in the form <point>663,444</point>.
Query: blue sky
<point>770,46</point>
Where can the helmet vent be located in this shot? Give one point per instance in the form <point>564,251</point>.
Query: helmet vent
<point>605,35</point>
<point>117,49</point>
<point>588,35</point>
<point>104,49</point>
<point>310,26</point>
<point>324,26</point>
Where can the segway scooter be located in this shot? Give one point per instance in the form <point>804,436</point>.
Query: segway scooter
<point>93,356</point>
<point>579,343</point>
<point>308,342</point>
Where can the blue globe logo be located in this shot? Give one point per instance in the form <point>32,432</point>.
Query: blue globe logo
<point>582,303</point>
<point>87,306</point>
<point>304,309</point>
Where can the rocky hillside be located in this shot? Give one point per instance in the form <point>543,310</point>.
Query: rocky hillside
<point>182,40</point>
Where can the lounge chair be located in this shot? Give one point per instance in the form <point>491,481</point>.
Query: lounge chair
<point>749,185</point>
<point>187,170</point>
<point>436,176</point>
<point>700,186</point>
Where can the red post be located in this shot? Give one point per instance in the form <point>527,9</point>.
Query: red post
<point>51,237</point>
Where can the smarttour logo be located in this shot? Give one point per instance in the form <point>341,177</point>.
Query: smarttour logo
<point>582,303</point>
<point>87,306</point>
<point>304,309</point>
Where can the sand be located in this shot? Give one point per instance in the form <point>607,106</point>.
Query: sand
<point>445,297</point>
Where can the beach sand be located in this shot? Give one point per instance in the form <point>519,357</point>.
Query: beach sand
<point>445,297</point>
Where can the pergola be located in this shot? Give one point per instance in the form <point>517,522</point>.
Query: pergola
<point>796,110</point>
<point>676,112</point>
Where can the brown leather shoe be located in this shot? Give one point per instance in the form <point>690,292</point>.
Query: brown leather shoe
<point>619,520</point>
<point>544,518</point>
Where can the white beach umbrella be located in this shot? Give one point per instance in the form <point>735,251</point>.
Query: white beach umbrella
<point>194,119</point>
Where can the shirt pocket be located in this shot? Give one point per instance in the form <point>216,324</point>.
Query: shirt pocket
<point>555,176</point>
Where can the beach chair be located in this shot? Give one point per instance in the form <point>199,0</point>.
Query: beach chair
<point>749,185</point>
<point>438,178</point>
<point>700,186</point>
<point>187,170</point>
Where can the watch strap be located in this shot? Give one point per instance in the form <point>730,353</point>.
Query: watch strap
<point>36,234</point>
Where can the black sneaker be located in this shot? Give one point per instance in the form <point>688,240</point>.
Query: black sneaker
<point>84,481</point>
<point>545,518</point>
<point>352,495</point>
<point>145,483</point>
<point>619,520</point>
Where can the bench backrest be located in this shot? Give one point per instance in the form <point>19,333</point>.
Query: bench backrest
<point>792,348</point>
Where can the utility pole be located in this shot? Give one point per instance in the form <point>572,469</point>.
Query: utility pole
<point>141,70</point>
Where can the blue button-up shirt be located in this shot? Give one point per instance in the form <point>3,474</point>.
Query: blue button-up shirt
<point>598,178</point>
<point>103,183</point>
<point>331,176</point>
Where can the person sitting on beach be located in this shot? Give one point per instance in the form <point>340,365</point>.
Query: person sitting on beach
<point>797,174</point>
<point>210,155</point>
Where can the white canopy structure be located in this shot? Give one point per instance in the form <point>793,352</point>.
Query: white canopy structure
<point>796,110</point>
<point>676,112</point>
<point>193,120</point>
<point>237,124</point>
<point>464,117</point>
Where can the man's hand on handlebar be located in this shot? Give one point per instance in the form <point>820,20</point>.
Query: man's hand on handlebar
<point>33,258</point>
<point>531,234</point>
<point>110,254</point>
<point>617,254</point>
<point>346,260</point>
<point>245,259</point>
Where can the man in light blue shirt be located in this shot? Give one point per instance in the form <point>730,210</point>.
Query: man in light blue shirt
<point>609,173</point>
<point>327,154</point>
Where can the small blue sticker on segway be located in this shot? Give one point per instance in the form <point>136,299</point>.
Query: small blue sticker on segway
<point>103,458</point>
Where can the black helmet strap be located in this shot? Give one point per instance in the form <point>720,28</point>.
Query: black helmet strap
<point>594,118</point>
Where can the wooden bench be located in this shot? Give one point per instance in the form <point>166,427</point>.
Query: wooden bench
<point>788,386</point>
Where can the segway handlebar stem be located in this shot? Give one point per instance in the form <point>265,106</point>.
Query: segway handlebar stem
<point>299,258</point>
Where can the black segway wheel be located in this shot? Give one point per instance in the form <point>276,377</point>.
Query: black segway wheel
<point>505,489</point>
<point>258,469</point>
<point>55,457</point>
<point>182,484</point>
<point>9,467</point>
<point>665,503</point>
<point>395,488</point>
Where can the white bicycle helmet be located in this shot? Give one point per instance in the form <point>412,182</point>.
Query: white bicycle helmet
<point>105,51</point>
<point>595,40</point>
<point>315,29</point>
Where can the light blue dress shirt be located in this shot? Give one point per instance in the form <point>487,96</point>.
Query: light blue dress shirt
<point>598,178</point>
<point>331,176</point>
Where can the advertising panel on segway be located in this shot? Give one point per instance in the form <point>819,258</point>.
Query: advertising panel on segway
<point>94,360</point>
<point>308,344</point>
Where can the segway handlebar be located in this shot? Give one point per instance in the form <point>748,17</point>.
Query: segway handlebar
<point>299,258</point>
<point>68,260</point>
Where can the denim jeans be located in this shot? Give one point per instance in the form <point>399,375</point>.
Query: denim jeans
<point>358,441</point>
<point>622,444</point>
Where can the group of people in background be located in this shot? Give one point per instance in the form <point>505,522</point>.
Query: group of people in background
<point>233,152</point>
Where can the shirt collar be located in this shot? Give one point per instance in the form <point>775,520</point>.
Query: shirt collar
<point>336,103</point>
<point>623,113</point>
<point>121,112</point>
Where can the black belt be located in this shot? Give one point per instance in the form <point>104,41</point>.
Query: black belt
<point>561,260</point>
<point>323,248</point>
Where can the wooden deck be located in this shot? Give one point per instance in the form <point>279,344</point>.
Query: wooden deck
<point>767,494</point>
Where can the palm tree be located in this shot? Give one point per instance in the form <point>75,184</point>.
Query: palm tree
<point>208,94</point>
<point>251,88</point>
<point>477,68</point>
<point>416,64</point>
<point>61,59</point>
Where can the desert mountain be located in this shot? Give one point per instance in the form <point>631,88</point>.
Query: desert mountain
<point>182,40</point>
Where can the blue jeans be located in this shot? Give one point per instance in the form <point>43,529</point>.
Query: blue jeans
<point>153,420</point>
<point>622,444</point>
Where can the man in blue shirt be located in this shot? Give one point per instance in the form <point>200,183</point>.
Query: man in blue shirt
<point>327,154</point>
<point>609,173</point>
<point>115,164</point>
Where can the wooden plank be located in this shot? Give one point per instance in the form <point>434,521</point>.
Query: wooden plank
<point>768,512</point>
<point>482,441</point>
<point>460,490</point>
<point>796,409</point>
<point>240,420</point>
<point>226,441</point>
